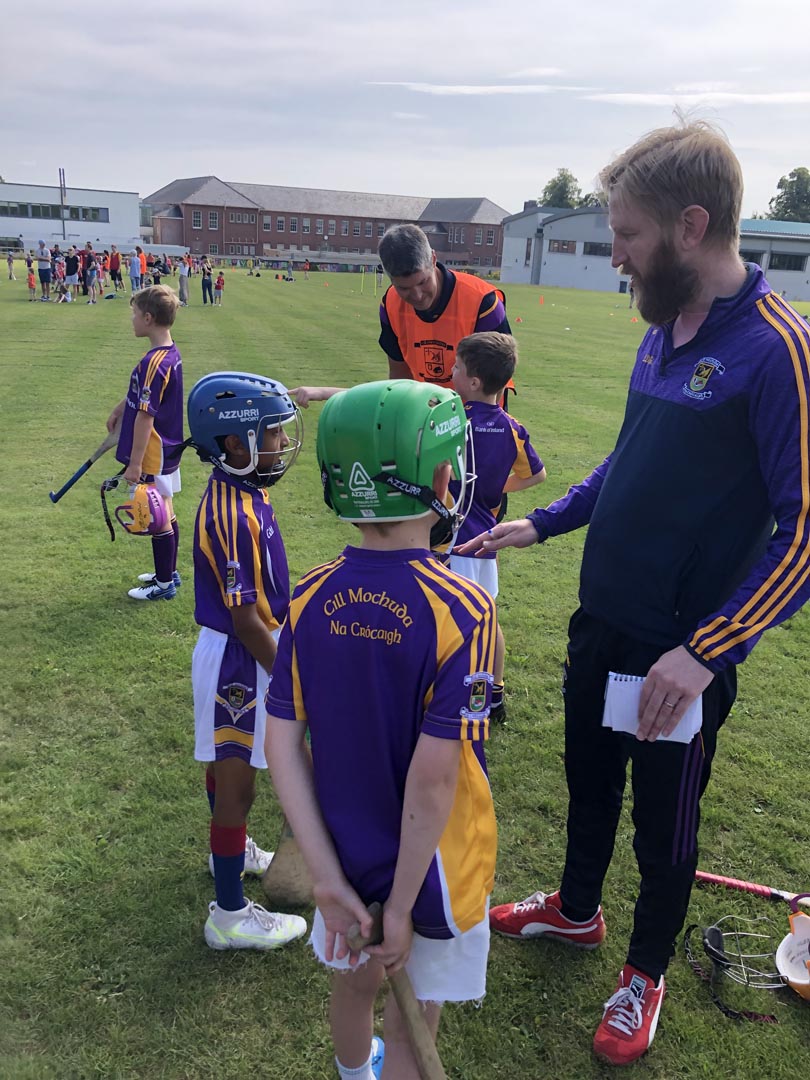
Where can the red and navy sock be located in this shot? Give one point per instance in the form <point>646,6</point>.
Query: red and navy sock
<point>163,554</point>
<point>210,787</point>
<point>176,531</point>
<point>228,849</point>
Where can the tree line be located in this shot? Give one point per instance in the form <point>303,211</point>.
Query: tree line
<point>791,202</point>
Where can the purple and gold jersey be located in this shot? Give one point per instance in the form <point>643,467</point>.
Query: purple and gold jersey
<point>501,447</point>
<point>379,647</point>
<point>156,388</point>
<point>239,555</point>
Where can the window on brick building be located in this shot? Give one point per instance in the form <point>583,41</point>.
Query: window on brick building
<point>380,229</point>
<point>305,226</point>
<point>332,226</point>
<point>213,249</point>
<point>344,228</point>
<point>280,224</point>
<point>213,219</point>
<point>479,236</point>
<point>369,228</point>
<point>196,219</point>
<point>490,237</point>
<point>267,224</point>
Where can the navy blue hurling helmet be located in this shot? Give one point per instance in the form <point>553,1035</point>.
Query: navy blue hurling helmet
<point>239,403</point>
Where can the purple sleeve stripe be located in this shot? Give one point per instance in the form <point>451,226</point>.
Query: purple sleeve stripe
<point>784,582</point>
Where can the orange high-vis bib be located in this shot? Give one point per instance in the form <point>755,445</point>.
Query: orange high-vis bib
<point>429,349</point>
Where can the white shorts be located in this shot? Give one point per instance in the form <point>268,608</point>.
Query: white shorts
<point>229,688</point>
<point>449,969</point>
<point>168,484</point>
<point>72,279</point>
<point>483,571</point>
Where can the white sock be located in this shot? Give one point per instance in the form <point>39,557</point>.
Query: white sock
<point>362,1073</point>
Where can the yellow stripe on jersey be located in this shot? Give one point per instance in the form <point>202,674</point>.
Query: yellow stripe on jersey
<point>232,734</point>
<point>216,491</point>
<point>448,635</point>
<point>262,601</point>
<point>781,586</point>
<point>469,844</point>
<point>313,580</point>
<point>521,466</point>
<point>204,541</point>
<point>151,371</point>
<point>491,308</point>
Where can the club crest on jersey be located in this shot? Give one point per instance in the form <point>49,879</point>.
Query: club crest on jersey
<point>238,700</point>
<point>477,706</point>
<point>704,369</point>
<point>231,583</point>
<point>146,393</point>
<point>236,695</point>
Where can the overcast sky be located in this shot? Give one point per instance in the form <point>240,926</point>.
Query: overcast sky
<point>463,97</point>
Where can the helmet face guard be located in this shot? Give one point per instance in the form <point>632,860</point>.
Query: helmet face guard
<point>246,405</point>
<point>379,445</point>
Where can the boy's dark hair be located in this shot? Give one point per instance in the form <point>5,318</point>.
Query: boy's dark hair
<point>159,301</point>
<point>490,357</point>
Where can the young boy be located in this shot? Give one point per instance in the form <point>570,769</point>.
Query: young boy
<point>219,286</point>
<point>151,436</point>
<point>238,422</point>
<point>505,460</point>
<point>386,658</point>
<point>32,286</point>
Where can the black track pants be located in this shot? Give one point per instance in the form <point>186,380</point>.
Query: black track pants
<point>668,780</point>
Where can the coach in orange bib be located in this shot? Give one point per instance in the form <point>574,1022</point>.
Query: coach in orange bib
<point>424,313</point>
<point>428,309</point>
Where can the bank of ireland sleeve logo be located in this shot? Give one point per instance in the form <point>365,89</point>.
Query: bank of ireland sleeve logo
<point>362,486</point>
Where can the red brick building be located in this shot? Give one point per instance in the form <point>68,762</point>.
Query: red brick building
<point>211,216</point>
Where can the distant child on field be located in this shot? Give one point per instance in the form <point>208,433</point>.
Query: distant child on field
<point>32,285</point>
<point>63,295</point>
<point>505,460</point>
<point>239,423</point>
<point>151,417</point>
<point>386,659</point>
<point>219,286</point>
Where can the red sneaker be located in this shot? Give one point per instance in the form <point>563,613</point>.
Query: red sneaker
<point>539,915</point>
<point>630,1018</point>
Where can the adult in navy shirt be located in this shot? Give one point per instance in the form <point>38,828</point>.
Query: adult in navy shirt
<point>698,542</point>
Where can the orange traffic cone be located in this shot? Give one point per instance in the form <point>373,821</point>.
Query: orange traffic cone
<point>634,319</point>
<point>541,301</point>
<point>518,319</point>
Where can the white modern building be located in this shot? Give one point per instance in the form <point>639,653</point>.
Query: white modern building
<point>572,249</point>
<point>33,212</point>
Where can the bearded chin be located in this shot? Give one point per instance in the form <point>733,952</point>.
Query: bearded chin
<point>667,287</point>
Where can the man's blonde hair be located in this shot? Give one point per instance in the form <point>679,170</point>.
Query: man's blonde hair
<point>159,301</point>
<point>671,168</point>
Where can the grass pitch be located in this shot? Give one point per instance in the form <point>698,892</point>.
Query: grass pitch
<point>104,880</point>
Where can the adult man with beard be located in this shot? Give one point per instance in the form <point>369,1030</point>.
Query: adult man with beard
<point>682,569</point>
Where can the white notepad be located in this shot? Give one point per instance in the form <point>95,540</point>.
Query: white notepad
<point>622,695</point>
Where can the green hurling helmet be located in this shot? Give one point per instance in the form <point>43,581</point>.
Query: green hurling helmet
<point>379,445</point>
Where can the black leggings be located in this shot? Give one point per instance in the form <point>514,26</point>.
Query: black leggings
<point>668,781</point>
<point>208,289</point>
